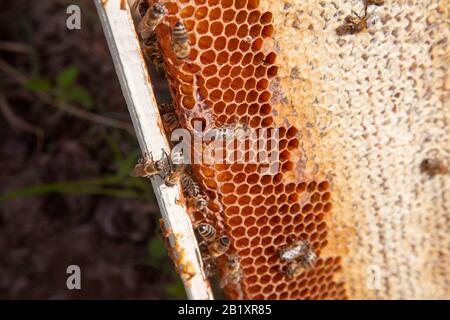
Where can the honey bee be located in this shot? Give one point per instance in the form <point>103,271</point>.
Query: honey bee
<point>374,2</point>
<point>173,168</point>
<point>168,168</point>
<point>146,167</point>
<point>169,117</point>
<point>153,53</point>
<point>151,19</point>
<point>248,39</point>
<point>219,246</point>
<point>294,250</point>
<point>174,177</point>
<point>207,232</point>
<point>180,43</point>
<point>353,24</point>
<point>170,121</point>
<point>216,246</point>
<point>434,167</point>
<point>210,267</point>
<point>199,202</point>
<point>304,262</point>
<point>141,6</point>
<point>233,273</point>
<point>228,132</point>
<point>308,259</point>
<point>190,187</point>
<point>166,107</point>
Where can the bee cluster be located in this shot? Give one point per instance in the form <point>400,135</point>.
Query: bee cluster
<point>215,245</point>
<point>355,23</point>
<point>150,16</point>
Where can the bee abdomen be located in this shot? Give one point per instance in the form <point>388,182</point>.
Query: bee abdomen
<point>190,187</point>
<point>308,260</point>
<point>180,43</point>
<point>179,33</point>
<point>293,251</point>
<point>206,231</point>
<point>166,107</point>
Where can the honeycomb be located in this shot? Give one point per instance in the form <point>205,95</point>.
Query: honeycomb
<point>357,117</point>
<point>229,77</point>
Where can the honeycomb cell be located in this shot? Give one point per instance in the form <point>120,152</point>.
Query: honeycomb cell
<point>266,18</point>
<point>242,243</point>
<point>267,31</point>
<point>242,189</point>
<point>257,44</point>
<point>187,12</point>
<point>327,207</point>
<point>226,3</point>
<point>201,12</point>
<point>216,28</point>
<point>238,232</point>
<point>242,31</point>
<point>326,197</point>
<point>205,42</point>
<point>272,71</point>
<point>202,27</point>
<point>215,14</point>
<point>208,57</point>
<point>315,197</point>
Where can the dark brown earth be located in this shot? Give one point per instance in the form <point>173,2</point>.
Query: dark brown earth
<point>50,216</point>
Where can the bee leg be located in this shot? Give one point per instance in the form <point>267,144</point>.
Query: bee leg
<point>355,14</point>
<point>160,175</point>
<point>164,164</point>
<point>168,182</point>
<point>166,156</point>
<point>145,157</point>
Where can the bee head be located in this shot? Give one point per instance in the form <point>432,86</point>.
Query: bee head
<point>158,9</point>
<point>225,241</point>
<point>179,25</point>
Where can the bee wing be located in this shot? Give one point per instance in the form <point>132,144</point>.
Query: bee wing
<point>143,28</point>
<point>138,171</point>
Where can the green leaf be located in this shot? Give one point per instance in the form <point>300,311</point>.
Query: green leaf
<point>156,249</point>
<point>176,290</point>
<point>125,166</point>
<point>79,95</point>
<point>38,85</point>
<point>67,77</point>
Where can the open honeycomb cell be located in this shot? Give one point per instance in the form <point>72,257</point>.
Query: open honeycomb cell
<point>226,79</point>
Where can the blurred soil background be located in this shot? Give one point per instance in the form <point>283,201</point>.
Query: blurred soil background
<point>66,150</point>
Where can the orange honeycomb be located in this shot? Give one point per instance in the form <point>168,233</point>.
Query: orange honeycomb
<point>226,79</point>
